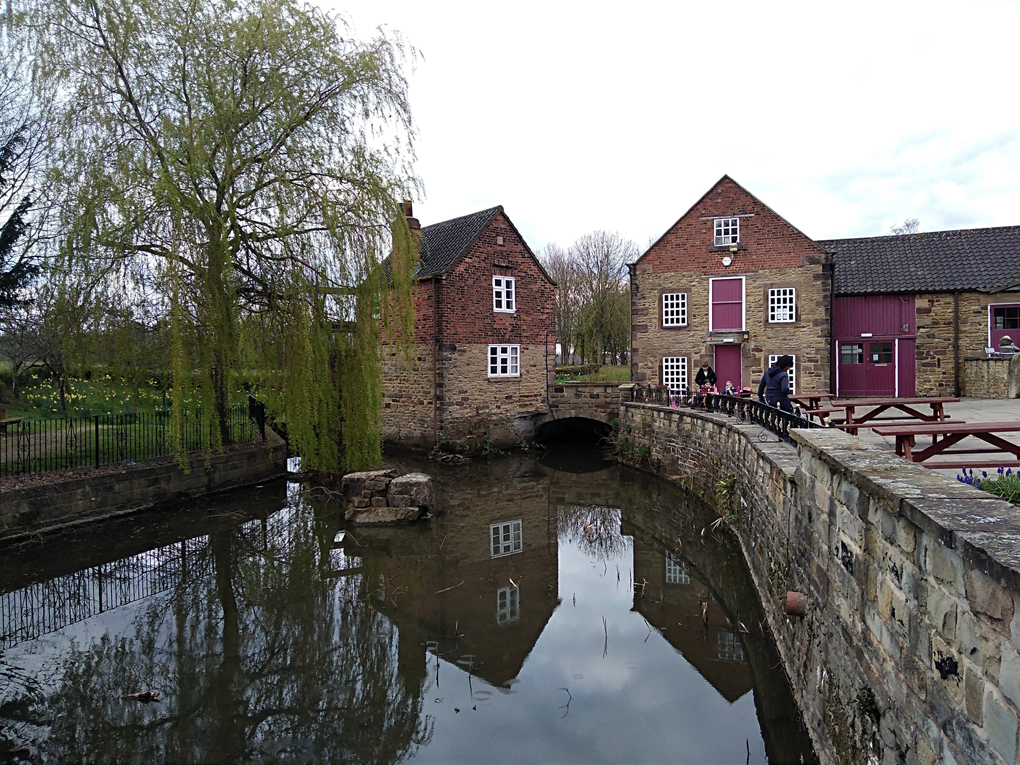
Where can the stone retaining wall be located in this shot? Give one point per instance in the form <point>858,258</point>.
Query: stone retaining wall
<point>992,377</point>
<point>51,506</point>
<point>910,649</point>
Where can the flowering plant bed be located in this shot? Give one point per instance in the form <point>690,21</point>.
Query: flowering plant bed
<point>1004,483</point>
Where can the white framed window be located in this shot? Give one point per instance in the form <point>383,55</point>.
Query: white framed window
<point>730,648</point>
<point>504,361</point>
<point>792,371</point>
<point>503,294</point>
<point>676,570</point>
<point>674,309</point>
<point>505,538</point>
<point>783,305</point>
<point>727,231</point>
<point>508,605</point>
<point>674,373</point>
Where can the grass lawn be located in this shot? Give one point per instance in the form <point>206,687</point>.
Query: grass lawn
<point>604,374</point>
<point>99,394</point>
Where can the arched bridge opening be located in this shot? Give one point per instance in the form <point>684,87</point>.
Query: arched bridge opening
<point>573,430</point>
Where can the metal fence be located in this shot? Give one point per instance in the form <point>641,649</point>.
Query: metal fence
<point>41,446</point>
<point>771,419</point>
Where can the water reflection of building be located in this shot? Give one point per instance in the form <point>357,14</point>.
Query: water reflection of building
<point>480,583</point>
<point>674,600</point>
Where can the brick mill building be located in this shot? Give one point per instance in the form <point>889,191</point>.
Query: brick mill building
<point>484,342</point>
<point>734,284</point>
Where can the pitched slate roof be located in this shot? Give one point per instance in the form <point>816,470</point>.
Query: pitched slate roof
<point>443,244</point>
<point>983,259</point>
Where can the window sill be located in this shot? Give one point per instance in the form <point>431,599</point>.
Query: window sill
<point>727,247</point>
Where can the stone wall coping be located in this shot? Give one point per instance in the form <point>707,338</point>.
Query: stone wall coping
<point>985,530</point>
<point>157,477</point>
<point>778,454</point>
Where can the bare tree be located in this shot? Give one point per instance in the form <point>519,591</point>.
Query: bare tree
<point>601,259</point>
<point>563,270</point>
<point>910,226</point>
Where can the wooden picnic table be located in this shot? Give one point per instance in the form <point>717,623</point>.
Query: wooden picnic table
<point>952,433</point>
<point>880,405</point>
<point>811,400</point>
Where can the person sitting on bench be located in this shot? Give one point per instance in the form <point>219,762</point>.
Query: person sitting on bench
<point>774,388</point>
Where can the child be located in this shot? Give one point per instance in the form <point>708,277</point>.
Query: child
<point>729,390</point>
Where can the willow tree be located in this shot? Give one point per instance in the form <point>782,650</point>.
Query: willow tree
<point>238,165</point>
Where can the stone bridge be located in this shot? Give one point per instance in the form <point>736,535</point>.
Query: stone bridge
<point>592,401</point>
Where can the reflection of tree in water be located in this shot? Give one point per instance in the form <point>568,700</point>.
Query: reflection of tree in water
<point>266,656</point>
<point>595,529</point>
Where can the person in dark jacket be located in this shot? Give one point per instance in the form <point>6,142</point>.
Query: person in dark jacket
<point>705,378</point>
<point>774,387</point>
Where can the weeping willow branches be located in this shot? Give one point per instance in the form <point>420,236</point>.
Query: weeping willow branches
<point>238,165</point>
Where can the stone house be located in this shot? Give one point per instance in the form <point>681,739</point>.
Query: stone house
<point>484,349</point>
<point>733,284</point>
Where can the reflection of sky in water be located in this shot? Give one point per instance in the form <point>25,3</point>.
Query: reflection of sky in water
<point>641,702</point>
<point>635,699</point>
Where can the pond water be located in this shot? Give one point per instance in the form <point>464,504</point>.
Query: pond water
<point>554,609</point>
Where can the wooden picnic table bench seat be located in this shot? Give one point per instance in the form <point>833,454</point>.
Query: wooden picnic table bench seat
<point>9,421</point>
<point>952,434</point>
<point>821,412</point>
<point>810,400</point>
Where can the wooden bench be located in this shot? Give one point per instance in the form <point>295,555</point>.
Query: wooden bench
<point>952,434</point>
<point>821,412</point>
<point>9,421</point>
<point>810,400</point>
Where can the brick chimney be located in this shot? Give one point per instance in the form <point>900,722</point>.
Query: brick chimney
<point>412,223</point>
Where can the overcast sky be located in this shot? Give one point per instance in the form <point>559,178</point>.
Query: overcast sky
<point>844,118</point>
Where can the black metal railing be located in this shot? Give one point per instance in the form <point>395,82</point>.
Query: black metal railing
<point>770,418</point>
<point>42,446</point>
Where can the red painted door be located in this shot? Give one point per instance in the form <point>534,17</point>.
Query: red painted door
<point>867,368</point>
<point>851,378</point>
<point>727,304</point>
<point>880,368</point>
<point>727,365</point>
